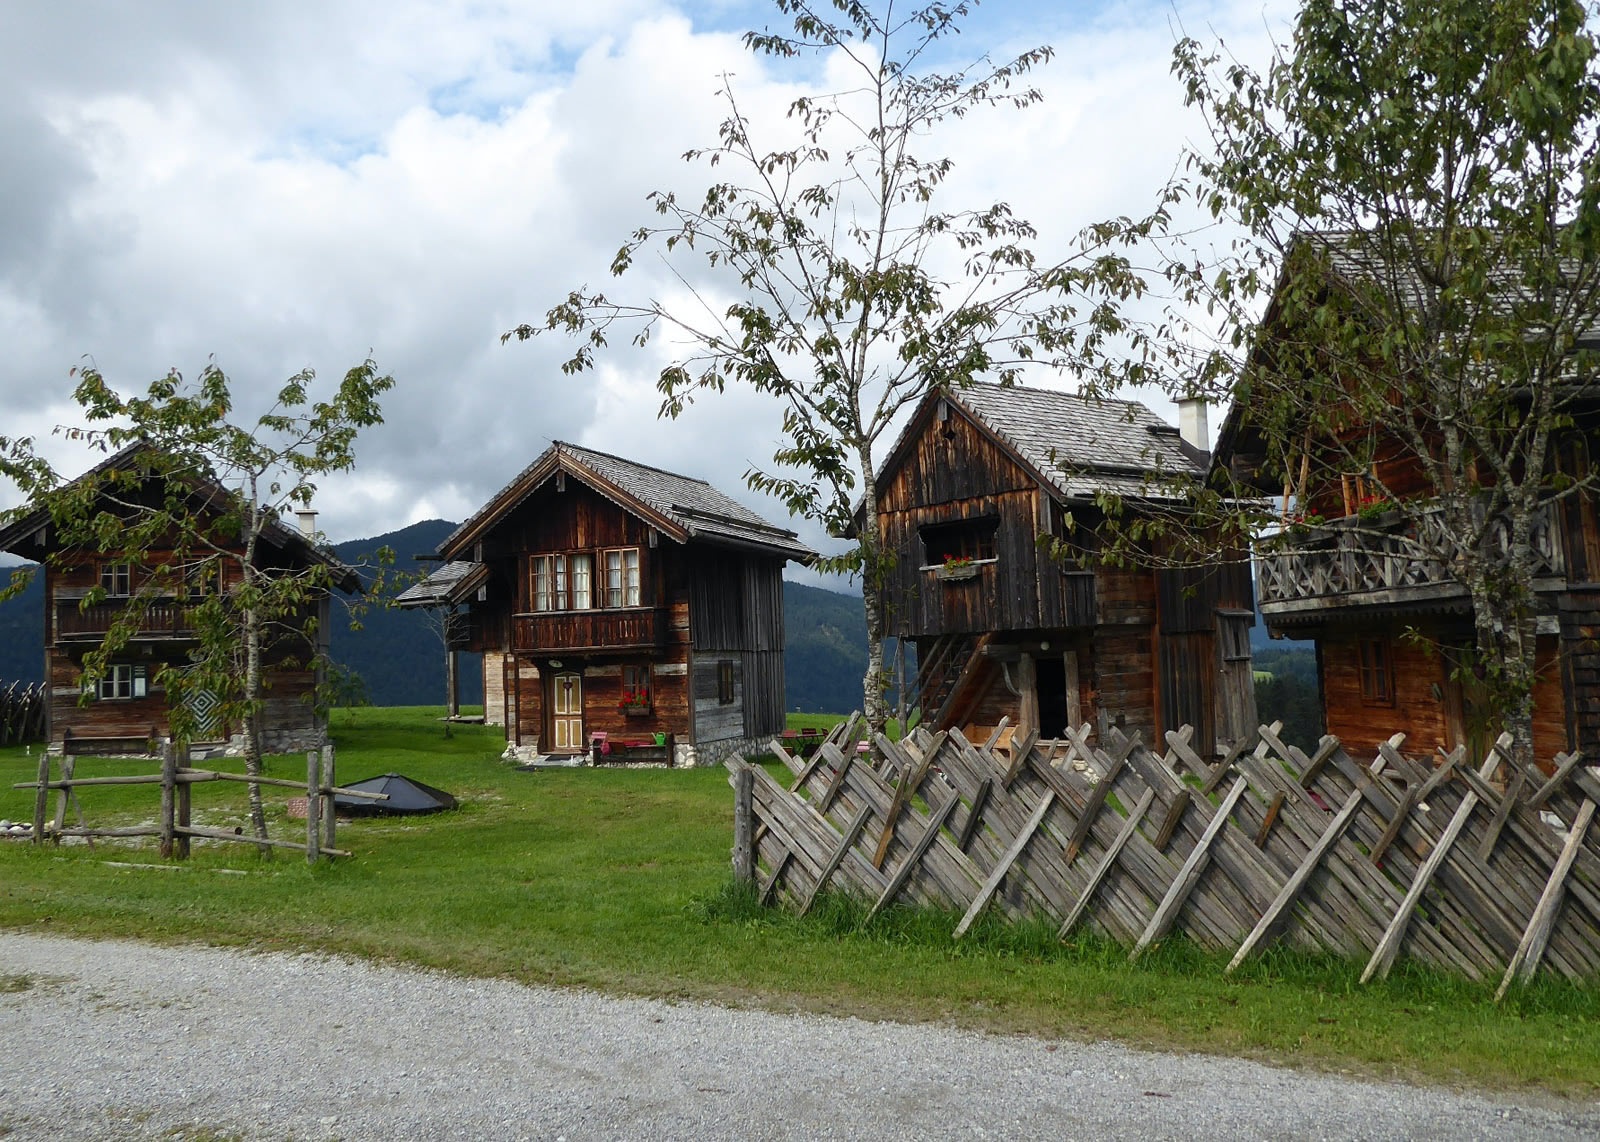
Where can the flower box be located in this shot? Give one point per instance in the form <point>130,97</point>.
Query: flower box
<point>957,574</point>
<point>636,711</point>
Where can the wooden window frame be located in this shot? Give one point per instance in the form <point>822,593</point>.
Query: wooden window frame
<point>117,580</point>
<point>123,682</point>
<point>970,539</point>
<point>1375,667</point>
<point>628,589</point>
<point>725,687</point>
<point>636,677</point>
<point>1234,625</point>
<point>553,582</point>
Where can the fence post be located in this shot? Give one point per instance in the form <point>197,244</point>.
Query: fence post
<point>41,795</point>
<point>313,805</point>
<point>327,800</point>
<point>180,842</point>
<point>169,790</point>
<point>744,849</point>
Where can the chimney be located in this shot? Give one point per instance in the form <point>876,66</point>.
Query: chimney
<point>1192,423</point>
<point>308,517</point>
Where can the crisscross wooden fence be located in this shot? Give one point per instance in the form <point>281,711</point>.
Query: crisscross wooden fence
<point>22,712</point>
<point>1475,868</point>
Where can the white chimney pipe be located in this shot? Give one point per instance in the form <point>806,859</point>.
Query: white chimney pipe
<point>308,521</point>
<point>1192,425</point>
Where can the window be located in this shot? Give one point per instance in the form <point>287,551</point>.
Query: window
<point>725,682</point>
<point>1233,634</point>
<point>123,680</point>
<point>117,579</point>
<point>622,577</point>
<point>1377,678</point>
<point>582,582</point>
<point>550,582</point>
<point>970,539</point>
<point>637,695</point>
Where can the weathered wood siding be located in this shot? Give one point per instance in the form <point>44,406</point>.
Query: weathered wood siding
<point>736,612</point>
<point>953,472</point>
<point>1580,661</point>
<point>715,720</point>
<point>494,692</point>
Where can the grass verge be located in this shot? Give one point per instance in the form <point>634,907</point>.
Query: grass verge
<point>618,880</point>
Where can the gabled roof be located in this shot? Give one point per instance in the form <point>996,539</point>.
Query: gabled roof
<point>276,533</point>
<point>448,585</point>
<point>1074,445</point>
<point>682,508</point>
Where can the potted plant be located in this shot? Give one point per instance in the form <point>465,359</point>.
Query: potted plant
<point>957,568</point>
<point>635,703</point>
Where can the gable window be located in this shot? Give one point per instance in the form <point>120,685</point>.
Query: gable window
<point>725,682</point>
<point>1377,672</point>
<point>968,539</point>
<point>123,680</point>
<point>117,579</point>
<point>622,577</point>
<point>1233,634</point>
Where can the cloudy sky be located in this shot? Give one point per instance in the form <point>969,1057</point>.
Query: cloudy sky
<point>291,184</point>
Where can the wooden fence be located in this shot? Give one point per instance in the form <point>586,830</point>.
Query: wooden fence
<point>174,827</point>
<point>23,708</point>
<point>1473,868</point>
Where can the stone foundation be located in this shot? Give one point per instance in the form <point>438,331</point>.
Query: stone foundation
<point>710,754</point>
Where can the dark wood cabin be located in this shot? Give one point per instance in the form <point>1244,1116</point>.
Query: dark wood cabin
<point>1003,629</point>
<point>127,711</point>
<point>622,611</point>
<point>1388,625</point>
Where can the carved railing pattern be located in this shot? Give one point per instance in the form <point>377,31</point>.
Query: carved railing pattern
<point>166,618</point>
<point>1353,556</point>
<point>641,627</point>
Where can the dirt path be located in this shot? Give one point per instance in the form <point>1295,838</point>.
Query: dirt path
<point>120,1040</point>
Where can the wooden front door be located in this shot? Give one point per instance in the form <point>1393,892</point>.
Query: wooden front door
<point>566,713</point>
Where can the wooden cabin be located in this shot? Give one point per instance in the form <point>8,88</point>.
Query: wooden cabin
<point>969,499</point>
<point>623,612</point>
<point>1389,624</point>
<point>126,712</point>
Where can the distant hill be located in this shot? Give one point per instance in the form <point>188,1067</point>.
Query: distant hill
<point>825,649</point>
<point>22,632</point>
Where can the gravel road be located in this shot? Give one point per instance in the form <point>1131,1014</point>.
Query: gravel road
<point>121,1040</point>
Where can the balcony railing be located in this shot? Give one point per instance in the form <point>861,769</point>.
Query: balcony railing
<point>638,628</point>
<point>164,618</point>
<point>1355,562</point>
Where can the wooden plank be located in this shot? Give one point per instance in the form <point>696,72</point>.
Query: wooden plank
<point>1097,799</point>
<point>1291,890</point>
<point>778,870</point>
<point>1107,860</point>
<point>1565,764</point>
<point>1415,795</point>
<point>1175,812</point>
<point>991,884</point>
<point>851,835</point>
<point>975,814</point>
<point>1530,950</point>
<point>918,851</point>
<point>1270,819</point>
<point>744,845</point>
<point>1389,946</point>
<point>42,797</point>
<point>1189,873</point>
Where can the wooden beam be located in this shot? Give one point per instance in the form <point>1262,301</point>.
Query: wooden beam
<point>1530,950</point>
<point>991,884</point>
<point>835,858</point>
<point>914,857</point>
<point>1107,859</point>
<point>1189,874</point>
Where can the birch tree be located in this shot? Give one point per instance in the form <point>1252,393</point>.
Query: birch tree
<point>206,494</point>
<point>1417,187</point>
<point>854,286</point>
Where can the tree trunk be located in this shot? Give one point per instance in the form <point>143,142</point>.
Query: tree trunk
<point>873,705</point>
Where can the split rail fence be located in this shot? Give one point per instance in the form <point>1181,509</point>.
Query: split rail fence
<point>1468,865</point>
<point>174,827</point>
<point>22,712</point>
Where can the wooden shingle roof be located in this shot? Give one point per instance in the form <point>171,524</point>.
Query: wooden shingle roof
<point>681,507</point>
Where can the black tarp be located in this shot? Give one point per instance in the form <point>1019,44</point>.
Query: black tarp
<point>406,795</point>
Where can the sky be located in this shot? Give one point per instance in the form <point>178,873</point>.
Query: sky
<point>281,186</point>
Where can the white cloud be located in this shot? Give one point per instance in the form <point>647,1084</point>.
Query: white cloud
<point>414,178</point>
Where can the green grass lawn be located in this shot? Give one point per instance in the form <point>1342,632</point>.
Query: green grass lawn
<point>618,879</point>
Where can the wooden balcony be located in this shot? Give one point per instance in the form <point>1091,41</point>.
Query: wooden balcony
<point>163,619</point>
<point>1380,563</point>
<point>637,628</point>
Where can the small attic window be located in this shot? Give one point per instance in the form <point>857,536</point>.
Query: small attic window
<point>960,539</point>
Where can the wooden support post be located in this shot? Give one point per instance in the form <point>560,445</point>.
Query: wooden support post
<point>1189,874</point>
<point>41,797</point>
<point>329,810</point>
<point>1388,947</point>
<point>744,830</point>
<point>991,885</point>
<point>180,842</point>
<point>1109,858</point>
<point>169,796</point>
<point>313,806</point>
<point>1292,888</point>
<point>1537,936</point>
